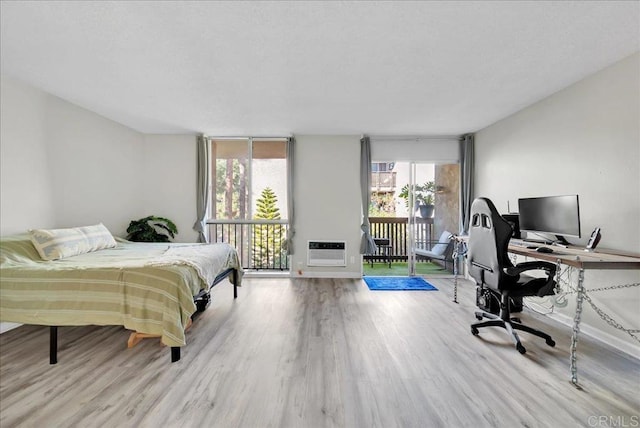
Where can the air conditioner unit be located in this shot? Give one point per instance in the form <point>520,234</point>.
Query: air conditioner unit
<point>327,253</point>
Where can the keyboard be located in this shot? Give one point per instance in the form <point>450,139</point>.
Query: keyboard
<point>519,242</point>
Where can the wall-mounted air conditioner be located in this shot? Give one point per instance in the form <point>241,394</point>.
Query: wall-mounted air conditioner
<point>327,253</point>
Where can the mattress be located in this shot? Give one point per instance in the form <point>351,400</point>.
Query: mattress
<point>146,287</point>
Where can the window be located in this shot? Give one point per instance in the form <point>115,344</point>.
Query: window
<point>250,178</point>
<point>382,166</point>
<point>248,206</point>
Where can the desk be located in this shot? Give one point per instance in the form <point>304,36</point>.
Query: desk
<point>575,257</point>
<point>580,259</point>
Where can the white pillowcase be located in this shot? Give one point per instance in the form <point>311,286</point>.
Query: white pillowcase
<point>54,244</point>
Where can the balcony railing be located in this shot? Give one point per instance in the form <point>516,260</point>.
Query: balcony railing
<point>395,229</point>
<point>259,242</point>
<point>383,180</point>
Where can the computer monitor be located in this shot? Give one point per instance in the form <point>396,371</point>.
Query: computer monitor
<point>556,215</point>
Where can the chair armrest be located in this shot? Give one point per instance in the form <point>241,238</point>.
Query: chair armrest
<point>550,268</point>
<point>549,285</point>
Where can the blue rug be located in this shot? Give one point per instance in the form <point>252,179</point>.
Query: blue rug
<point>398,283</point>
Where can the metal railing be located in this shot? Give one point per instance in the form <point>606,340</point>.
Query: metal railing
<point>395,229</point>
<point>383,180</point>
<point>259,242</point>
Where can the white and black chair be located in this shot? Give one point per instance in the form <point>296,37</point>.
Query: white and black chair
<point>490,267</point>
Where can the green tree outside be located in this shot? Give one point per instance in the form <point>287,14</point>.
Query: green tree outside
<point>231,189</point>
<point>267,238</point>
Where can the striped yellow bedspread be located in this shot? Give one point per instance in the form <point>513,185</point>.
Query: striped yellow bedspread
<point>144,287</point>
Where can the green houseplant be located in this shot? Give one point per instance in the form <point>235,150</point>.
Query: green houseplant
<point>151,229</point>
<point>423,196</point>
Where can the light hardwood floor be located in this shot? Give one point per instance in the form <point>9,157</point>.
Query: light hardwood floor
<point>317,353</point>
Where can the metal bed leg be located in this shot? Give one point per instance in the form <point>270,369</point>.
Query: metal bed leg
<point>53,344</point>
<point>175,354</point>
<point>235,281</point>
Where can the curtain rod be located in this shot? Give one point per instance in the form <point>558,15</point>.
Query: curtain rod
<point>211,137</point>
<point>414,137</point>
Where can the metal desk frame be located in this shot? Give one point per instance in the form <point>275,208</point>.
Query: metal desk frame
<point>572,256</point>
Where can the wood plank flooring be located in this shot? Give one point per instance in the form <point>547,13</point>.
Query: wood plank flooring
<point>317,353</point>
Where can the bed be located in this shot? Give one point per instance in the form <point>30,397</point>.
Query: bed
<point>153,289</point>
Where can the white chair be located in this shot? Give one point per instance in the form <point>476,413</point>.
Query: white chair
<point>441,250</point>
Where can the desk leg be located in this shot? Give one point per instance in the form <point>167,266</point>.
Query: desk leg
<point>576,330</point>
<point>456,260</point>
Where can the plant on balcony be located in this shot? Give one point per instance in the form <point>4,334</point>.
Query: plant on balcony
<point>423,196</point>
<point>151,229</point>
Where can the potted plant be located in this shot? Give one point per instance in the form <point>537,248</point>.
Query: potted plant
<point>423,195</point>
<point>151,229</point>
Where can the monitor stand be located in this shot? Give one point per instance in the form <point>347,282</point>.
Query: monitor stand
<point>561,240</point>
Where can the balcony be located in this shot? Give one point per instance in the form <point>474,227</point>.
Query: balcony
<point>395,230</point>
<point>384,181</point>
<point>259,242</point>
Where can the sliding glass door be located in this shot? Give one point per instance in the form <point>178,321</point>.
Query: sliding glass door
<point>412,203</point>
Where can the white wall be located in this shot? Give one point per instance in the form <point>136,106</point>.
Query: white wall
<point>96,167</point>
<point>65,166</point>
<point>582,140</point>
<point>26,199</point>
<point>169,180</point>
<point>327,201</point>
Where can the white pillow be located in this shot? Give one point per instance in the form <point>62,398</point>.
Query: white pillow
<point>54,244</point>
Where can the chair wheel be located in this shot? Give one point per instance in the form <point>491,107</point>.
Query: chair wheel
<point>551,343</point>
<point>474,331</point>
<point>520,348</point>
<point>479,317</point>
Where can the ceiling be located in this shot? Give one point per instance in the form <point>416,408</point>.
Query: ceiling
<point>324,67</point>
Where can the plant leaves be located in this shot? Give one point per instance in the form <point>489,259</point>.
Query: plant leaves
<point>143,230</point>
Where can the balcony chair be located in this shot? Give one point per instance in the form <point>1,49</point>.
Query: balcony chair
<point>442,250</point>
<point>490,267</point>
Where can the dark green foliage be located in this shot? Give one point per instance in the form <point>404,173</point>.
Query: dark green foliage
<point>423,194</point>
<point>151,229</point>
<point>267,240</point>
<point>266,205</point>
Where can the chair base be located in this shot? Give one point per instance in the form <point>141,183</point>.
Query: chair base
<point>510,325</point>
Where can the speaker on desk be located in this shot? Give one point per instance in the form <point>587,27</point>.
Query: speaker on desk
<point>514,221</point>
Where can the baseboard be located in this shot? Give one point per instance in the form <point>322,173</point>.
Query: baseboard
<point>266,274</point>
<point>6,326</point>
<point>301,274</point>
<point>319,274</point>
<point>619,344</point>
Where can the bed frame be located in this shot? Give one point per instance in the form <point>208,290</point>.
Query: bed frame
<point>202,301</point>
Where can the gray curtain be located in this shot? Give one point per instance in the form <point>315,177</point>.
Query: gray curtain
<point>288,244</point>
<point>466,180</point>
<point>367,245</point>
<point>202,190</point>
